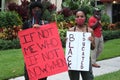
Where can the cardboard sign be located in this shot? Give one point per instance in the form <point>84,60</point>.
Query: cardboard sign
<point>78,51</point>
<point>43,52</point>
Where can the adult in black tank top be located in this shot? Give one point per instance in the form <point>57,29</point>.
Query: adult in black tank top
<point>82,27</point>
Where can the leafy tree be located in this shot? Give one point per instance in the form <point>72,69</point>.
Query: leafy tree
<point>22,9</point>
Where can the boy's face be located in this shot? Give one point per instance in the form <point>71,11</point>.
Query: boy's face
<point>37,13</point>
<point>97,13</point>
<point>36,9</point>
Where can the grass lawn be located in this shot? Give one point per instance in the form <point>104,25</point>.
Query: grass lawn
<point>110,76</point>
<point>12,65</point>
<point>111,49</point>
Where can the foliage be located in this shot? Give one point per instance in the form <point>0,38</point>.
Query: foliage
<point>9,44</point>
<point>22,9</point>
<point>105,19</point>
<point>10,33</point>
<point>65,24</point>
<point>59,17</point>
<point>117,25</point>
<point>69,10</point>
<point>45,15</point>
<point>63,36</point>
<point>10,24</point>
<point>66,16</point>
<point>9,19</point>
<point>49,10</point>
<point>76,3</point>
<point>108,35</point>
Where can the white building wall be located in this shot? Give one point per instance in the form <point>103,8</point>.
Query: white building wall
<point>109,10</point>
<point>57,3</point>
<point>4,3</point>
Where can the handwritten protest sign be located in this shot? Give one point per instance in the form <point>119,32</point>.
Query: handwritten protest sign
<point>42,50</point>
<point>78,51</point>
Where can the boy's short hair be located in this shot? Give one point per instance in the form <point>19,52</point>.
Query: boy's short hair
<point>97,9</point>
<point>35,4</point>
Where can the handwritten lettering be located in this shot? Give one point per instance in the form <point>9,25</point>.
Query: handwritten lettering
<point>56,64</point>
<point>33,59</point>
<point>36,71</point>
<point>83,51</point>
<point>48,43</point>
<point>71,39</point>
<point>46,33</point>
<point>50,54</point>
<point>48,67</point>
<point>30,49</point>
<point>28,37</point>
<point>42,51</point>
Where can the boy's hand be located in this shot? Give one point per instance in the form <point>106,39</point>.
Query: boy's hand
<point>36,25</point>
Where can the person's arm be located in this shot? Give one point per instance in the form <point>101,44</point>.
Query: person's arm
<point>95,25</point>
<point>92,39</point>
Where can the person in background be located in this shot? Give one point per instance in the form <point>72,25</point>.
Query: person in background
<point>95,23</point>
<point>82,27</point>
<point>35,20</point>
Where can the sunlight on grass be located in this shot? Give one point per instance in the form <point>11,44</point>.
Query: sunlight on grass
<point>110,76</point>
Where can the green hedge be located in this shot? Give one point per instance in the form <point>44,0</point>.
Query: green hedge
<point>63,36</point>
<point>9,44</point>
<point>108,35</point>
<point>9,19</point>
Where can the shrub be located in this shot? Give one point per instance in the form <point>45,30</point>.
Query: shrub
<point>9,19</point>
<point>105,21</point>
<point>10,24</point>
<point>49,10</point>
<point>117,25</point>
<point>63,36</point>
<point>59,17</point>
<point>9,44</point>
<point>22,9</point>
<point>108,35</point>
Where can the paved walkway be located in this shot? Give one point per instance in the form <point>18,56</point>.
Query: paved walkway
<point>107,66</point>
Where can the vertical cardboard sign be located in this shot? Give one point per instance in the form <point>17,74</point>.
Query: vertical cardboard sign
<point>42,50</point>
<point>78,51</point>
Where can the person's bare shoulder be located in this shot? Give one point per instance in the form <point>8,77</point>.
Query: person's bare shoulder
<point>71,29</point>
